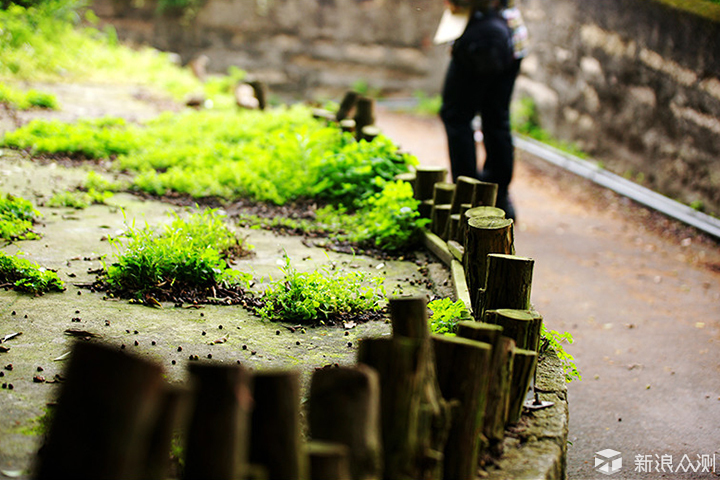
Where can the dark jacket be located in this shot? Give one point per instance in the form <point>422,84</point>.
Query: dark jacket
<point>485,47</point>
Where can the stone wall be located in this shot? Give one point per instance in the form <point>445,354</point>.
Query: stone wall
<point>635,83</point>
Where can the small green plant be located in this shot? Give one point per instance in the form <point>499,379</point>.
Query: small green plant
<point>25,100</point>
<point>16,218</point>
<point>526,120</point>
<point>76,200</point>
<point>389,220</point>
<point>97,182</point>
<point>446,314</point>
<point>27,276</point>
<point>553,341</point>
<point>188,255</point>
<point>322,295</point>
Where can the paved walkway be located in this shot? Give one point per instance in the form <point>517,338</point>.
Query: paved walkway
<point>640,295</point>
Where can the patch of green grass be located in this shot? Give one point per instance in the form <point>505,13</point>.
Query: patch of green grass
<point>76,200</point>
<point>320,295</point>
<point>16,218</point>
<point>26,100</point>
<point>553,341</point>
<point>27,276</point>
<point>190,253</point>
<point>37,426</point>
<point>446,314</point>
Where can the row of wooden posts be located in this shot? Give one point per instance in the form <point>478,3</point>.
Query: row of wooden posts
<point>415,406</point>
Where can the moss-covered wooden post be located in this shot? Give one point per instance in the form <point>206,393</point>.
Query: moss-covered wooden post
<point>484,236</point>
<point>346,105</point>
<point>508,283</point>
<point>364,115</point>
<point>523,370</point>
<point>276,434</point>
<point>465,192</point>
<point>328,461</point>
<point>485,194</point>
<point>217,438</point>
<point>104,417</point>
<point>344,408</point>
<point>523,326</point>
<point>426,176</point>
<point>463,368</point>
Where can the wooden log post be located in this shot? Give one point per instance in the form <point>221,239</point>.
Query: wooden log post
<point>348,125</point>
<point>425,208</point>
<point>463,368</point>
<point>415,418</point>
<point>498,399</point>
<point>426,176</point>
<point>346,105</point>
<point>462,226</point>
<point>217,437</point>
<point>364,114</point>
<point>259,90</point>
<point>172,407</point>
<point>104,418</point>
<point>443,193</point>
<point>523,370</point>
<point>484,236</point>
<point>523,326</point>
<point>453,226</point>
<point>369,133</point>
<point>440,217</point>
<point>328,461</point>
<point>276,441</point>
<point>485,194</point>
<point>344,408</point>
<point>508,283</point>
<point>465,192</point>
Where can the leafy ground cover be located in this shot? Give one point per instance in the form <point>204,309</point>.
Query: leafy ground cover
<point>25,276</point>
<point>17,216</point>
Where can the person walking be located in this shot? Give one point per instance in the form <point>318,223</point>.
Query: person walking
<point>480,80</point>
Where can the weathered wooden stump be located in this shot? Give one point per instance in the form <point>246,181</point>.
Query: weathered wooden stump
<point>443,193</point>
<point>465,192</point>
<point>344,408</point>
<point>217,437</point>
<point>172,406</point>
<point>346,105</point>
<point>463,368</point>
<point>364,114</point>
<point>485,194</point>
<point>440,216</point>
<point>523,370</point>
<point>329,461</point>
<point>426,176</point>
<point>105,416</point>
<point>523,326</point>
<point>484,236</point>
<point>275,429</point>
<point>508,284</point>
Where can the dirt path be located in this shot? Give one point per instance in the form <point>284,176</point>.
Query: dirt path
<point>640,295</point>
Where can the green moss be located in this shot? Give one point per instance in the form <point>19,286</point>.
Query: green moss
<point>709,9</point>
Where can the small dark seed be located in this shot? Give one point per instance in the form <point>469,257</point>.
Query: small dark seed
<point>347,333</point>
<point>127,331</point>
<point>2,374</point>
<point>136,332</point>
<point>136,343</point>
<point>219,327</point>
<point>40,369</point>
<point>244,347</point>
<point>79,292</point>
<point>238,362</point>
<point>122,347</point>
<point>153,343</point>
<point>209,355</point>
<point>77,311</point>
<point>179,349</point>
<point>173,362</point>
<point>202,314</point>
<point>204,333</point>
<point>253,352</point>
<point>10,386</point>
<point>13,312</point>
<point>26,315</point>
<point>297,343</point>
<point>277,332</point>
<point>9,367</point>
<point>349,344</point>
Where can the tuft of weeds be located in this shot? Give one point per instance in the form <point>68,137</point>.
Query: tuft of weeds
<point>187,256</point>
<point>446,314</point>
<point>17,216</point>
<point>25,276</point>
<point>25,100</point>
<point>76,200</point>
<point>320,296</point>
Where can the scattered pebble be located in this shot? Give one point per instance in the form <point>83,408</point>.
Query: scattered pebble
<point>39,379</point>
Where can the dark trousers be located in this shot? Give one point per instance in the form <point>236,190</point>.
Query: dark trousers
<point>464,96</point>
